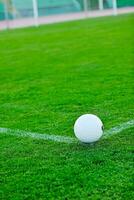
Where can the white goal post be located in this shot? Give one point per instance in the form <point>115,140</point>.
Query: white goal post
<point>101,6</point>
<point>35,12</point>
<point>114,5</point>
<point>115,8</point>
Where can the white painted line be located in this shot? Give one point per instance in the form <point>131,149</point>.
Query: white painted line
<point>63,139</point>
<point>118,129</point>
<point>20,133</point>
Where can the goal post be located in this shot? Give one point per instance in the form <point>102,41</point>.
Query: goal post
<point>86,7</point>
<point>35,12</point>
<point>115,7</point>
<point>101,6</point>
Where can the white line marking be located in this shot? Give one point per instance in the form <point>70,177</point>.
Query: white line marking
<point>20,133</point>
<point>118,129</point>
<point>64,139</point>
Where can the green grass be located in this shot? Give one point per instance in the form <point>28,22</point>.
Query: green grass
<point>48,77</point>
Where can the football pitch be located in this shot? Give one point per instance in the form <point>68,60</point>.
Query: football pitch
<point>49,76</point>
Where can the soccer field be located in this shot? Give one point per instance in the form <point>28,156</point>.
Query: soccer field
<point>49,76</point>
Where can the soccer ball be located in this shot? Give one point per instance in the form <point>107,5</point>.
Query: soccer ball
<point>88,128</point>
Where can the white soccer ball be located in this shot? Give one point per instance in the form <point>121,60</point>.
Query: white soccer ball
<point>88,128</point>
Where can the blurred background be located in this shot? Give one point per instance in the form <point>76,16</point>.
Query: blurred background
<point>35,10</point>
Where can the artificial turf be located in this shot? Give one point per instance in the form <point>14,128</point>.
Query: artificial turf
<point>48,77</point>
